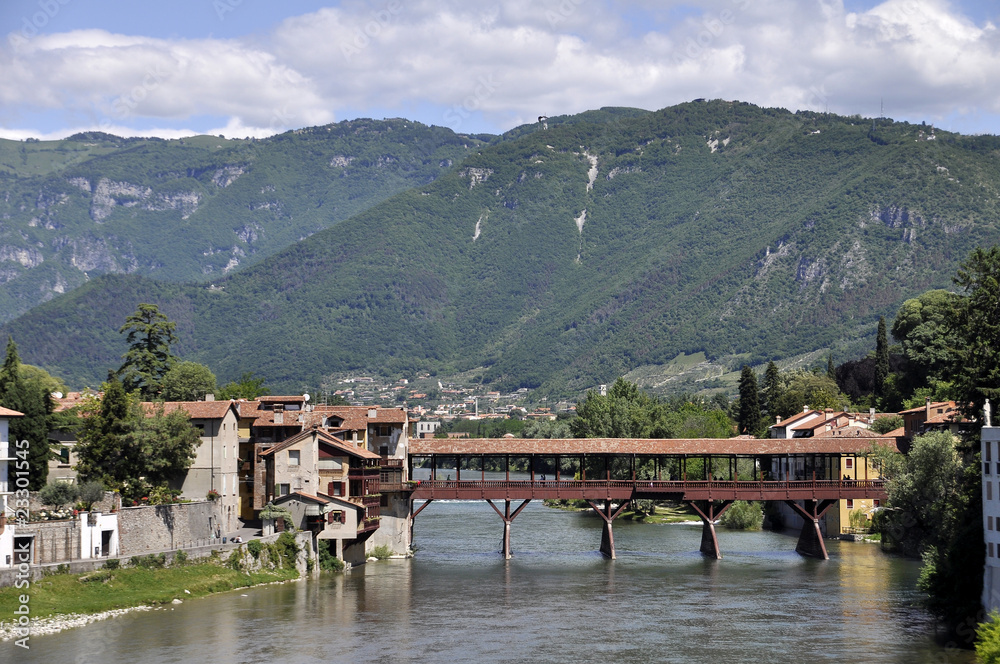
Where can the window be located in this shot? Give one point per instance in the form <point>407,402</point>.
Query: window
<point>850,503</point>
<point>849,464</point>
<point>282,489</point>
<point>989,523</point>
<point>293,457</point>
<point>989,491</point>
<point>987,449</point>
<point>991,549</point>
<point>877,502</point>
<point>223,485</point>
<point>63,455</point>
<point>337,516</point>
<point>330,464</point>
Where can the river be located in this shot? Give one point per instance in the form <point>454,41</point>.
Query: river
<point>557,600</point>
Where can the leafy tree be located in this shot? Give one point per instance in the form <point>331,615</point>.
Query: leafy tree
<point>188,381</point>
<point>42,379</point>
<point>749,418</point>
<point>124,448</point>
<point>35,403</point>
<point>148,358</point>
<point>881,358</point>
<point>884,425</point>
<point>546,429</point>
<point>924,326</point>
<point>90,493</point>
<point>806,389</point>
<point>977,325</point>
<point>626,412</point>
<point>247,387</point>
<point>694,420</point>
<point>58,494</point>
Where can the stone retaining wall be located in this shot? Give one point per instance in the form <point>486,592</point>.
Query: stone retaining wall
<point>165,527</point>
<point>55,541</point>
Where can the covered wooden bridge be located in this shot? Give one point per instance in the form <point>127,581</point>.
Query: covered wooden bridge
<point>808,474</point>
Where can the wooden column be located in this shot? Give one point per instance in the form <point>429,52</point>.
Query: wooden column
<point>709,512</point>
<point>607,534</point>
<point>811,538</point>
<point>508,518</point>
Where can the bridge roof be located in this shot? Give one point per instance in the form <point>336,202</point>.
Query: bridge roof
<point>647,446</point>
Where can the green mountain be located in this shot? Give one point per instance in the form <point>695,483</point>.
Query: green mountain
<point>561,257</point>
<point>194,208</point>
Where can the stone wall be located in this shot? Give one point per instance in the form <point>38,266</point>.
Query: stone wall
<point>164,527</point>
<point>394,525</point>
<point>55,541</point>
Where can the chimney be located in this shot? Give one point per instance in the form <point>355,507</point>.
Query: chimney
<point>871,413</point>
<point>805,409</point>
<point>777,419</point>
<point>209,397</point>
<point>927,408</point>
<point>372,413</point>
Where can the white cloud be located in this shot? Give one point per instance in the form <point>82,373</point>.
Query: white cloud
<point>514,60</point>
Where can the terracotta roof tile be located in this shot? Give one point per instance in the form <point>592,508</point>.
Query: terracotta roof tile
<point>198,410</point>
<point>7,412</point>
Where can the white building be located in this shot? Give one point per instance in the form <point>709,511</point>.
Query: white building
<point>991,515</point>
<point>8,515</point>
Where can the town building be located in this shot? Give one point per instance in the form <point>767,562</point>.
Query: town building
<point>8,486</point>
<point>990,438</point>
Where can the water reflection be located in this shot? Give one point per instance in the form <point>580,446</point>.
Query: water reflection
<point>557,600</point>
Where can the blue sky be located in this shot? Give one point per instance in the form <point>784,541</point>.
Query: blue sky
<point>255,67</point>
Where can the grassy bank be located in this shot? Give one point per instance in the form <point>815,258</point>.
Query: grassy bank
<point>103,590</point>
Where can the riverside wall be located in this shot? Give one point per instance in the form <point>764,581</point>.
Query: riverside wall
<point>166,527</point>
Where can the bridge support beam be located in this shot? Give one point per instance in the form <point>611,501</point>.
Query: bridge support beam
<point>811,538</point>
<point>709,512</point>
<point>508,518</point>
<point>607,534</point>
<point>413,515</point>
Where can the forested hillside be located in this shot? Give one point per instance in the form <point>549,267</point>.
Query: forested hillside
<point>194,208</point>
<point>562,257</point>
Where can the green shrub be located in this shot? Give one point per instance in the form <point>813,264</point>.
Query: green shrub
<point>150,561</point>
<point>988,640</point>
<point>112,563</point>
<point>743,516</point>
<point>858,518</point>
<point>235,560</point>
<point>287,549</point>
<point>381,552</point>
<point>254,547</point>
<point>328,562</point>
<point>180,558</point>
<point>58,494</point>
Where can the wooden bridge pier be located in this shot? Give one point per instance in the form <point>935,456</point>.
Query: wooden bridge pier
<point>607,534</point>
<point>709,512</point>
<point>508,518</point>
<point>811,538</point>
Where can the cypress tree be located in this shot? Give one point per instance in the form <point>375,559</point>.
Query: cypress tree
<point>771,392</point>
<point>749,415</point>
<point>881,359</point>
<point>36,405</point>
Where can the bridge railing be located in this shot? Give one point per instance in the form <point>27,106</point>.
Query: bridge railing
<point>655,485</point>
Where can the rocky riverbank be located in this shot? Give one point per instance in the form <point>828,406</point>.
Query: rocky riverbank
<point>54,624</point>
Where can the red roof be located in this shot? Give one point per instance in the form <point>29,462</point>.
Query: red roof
<point>197,410</point>
<point>7,412</point>
<point>796,418</point>
<point>325,438</point>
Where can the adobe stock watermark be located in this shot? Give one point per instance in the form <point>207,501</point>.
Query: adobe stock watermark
<point>563,11</point>
<point>36,21</point>
<point>22,550</point>
<point>363,35</point>
<point>485,87</point>
<point>713,26</point>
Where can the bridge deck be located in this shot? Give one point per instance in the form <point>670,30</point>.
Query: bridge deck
<point>647,489</point>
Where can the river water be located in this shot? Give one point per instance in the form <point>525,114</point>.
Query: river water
<point>557,600</point>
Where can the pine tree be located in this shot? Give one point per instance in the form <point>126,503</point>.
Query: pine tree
<point>771,390</point>
<point>749,414</point>
<point>148,359</point>
<point>831,371</point>
<point>881,359</point>
<point>36,405</point>
<point>977,324</point>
